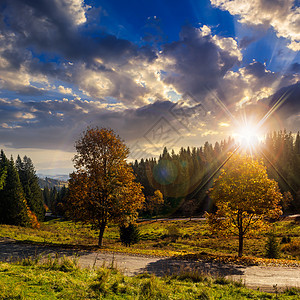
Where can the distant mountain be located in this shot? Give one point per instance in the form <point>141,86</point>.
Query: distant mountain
<point>51,182</point>
<point>61,177</point>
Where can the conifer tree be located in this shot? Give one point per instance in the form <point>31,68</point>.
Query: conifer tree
<point>13,205</point>
<point>30,185</point>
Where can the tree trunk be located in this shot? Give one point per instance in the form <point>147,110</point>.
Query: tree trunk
<point>241,233</point>
<point>241,241</point>
<point>101,232</point>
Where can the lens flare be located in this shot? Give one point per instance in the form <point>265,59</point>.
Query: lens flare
<point>248,138</point>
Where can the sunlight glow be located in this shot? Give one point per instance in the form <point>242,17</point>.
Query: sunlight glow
<point>248,137</point>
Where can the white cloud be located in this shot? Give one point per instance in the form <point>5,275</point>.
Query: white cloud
<point>76,8</point>
<point>26,116</point>
<point>64,90</point>
<point>282,15</point>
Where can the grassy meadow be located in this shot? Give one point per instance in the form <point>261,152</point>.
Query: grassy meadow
<point>63,279</point>
<point>163,238</point>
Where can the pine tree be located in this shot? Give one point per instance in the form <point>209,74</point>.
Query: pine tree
<point>13,205</point>
<point>30,185</point>
<point>3,172</point>
<point>297,144</point>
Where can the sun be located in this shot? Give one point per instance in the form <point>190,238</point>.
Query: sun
<point>248,136</point>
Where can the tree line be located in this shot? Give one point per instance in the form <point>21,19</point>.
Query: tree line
<point>184,178</point>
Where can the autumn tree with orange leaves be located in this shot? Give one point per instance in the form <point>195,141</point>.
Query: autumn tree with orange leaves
<point>245,199</point>
<point>103,187</point>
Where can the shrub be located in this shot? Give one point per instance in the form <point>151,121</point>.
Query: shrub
<point>129,234</point>
<point>173,232</point>
<point>272,247</point>
<point>285,240</point>
<point>33,219</point>
<point>292,248</point>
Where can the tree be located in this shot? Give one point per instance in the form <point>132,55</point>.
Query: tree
<point>103,187</point>
<point>272,246</point>
<point>245,199</point>
<point>189,207</point>
<point>3,173</point>
<point>154,202</point>
<point>13,205</point>
<point>31,188</point>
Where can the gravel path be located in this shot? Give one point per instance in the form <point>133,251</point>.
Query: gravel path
<point>254,277</point>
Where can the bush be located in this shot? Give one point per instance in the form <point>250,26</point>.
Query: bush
<point>129,234</point>
<point>285,240</point>
<point>173,232</point>
<point>292,248</point>
<point>272,247</point>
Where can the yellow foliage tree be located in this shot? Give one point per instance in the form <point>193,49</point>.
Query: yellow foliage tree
<point>245,199</point>
<point>154,202</point>
<point>103,187</point>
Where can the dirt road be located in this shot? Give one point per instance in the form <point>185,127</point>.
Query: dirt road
<point>255,276</point>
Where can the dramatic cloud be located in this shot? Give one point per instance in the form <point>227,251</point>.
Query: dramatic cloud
<point>56,27</point>
<point>282,15</point>
<point>198,61</point>
<point>252,83</point>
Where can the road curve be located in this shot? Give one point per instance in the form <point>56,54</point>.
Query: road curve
<point>254,276</point>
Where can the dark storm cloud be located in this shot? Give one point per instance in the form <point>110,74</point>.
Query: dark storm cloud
<point>52,26</point>
<point>199,62</point>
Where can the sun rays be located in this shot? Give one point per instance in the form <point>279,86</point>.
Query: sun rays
<point>248,134</point>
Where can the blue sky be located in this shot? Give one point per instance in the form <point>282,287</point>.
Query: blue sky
<point>160,73</point>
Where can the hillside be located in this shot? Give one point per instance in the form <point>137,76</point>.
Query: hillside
<point>50,183</point>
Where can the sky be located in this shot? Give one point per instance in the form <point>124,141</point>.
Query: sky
<point>159,73</point>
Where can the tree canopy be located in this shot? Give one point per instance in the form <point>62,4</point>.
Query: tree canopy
<point>103,187</point>
<point>245,199</point>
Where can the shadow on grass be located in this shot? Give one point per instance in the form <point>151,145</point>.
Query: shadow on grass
<point>11,250</point>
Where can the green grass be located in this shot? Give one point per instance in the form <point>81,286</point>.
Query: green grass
<point>63,279</point>
<point>159,238</point>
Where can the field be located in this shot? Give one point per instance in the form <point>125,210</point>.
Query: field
<point>63,279</point>
<point>163,238</point>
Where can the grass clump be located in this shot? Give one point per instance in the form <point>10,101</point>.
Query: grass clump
<point>193,275</point>
<point>152,288</point>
